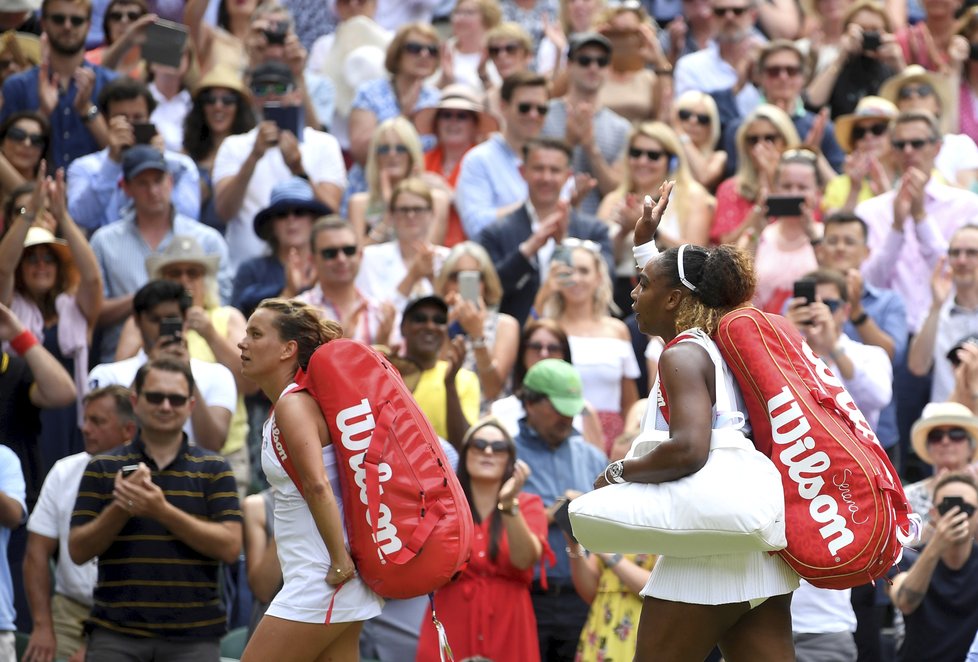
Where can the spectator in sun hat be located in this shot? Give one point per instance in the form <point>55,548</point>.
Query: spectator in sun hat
<point>285,226</point>
<point>864,135</point>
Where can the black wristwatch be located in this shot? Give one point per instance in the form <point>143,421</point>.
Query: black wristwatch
<point>859,321</point>
<point>90,114</point>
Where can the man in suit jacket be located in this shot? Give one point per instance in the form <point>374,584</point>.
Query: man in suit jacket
<point>522,244</point>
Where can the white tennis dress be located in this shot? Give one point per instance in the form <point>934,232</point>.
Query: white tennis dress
<point>305,595</point>
<point>725,578</point>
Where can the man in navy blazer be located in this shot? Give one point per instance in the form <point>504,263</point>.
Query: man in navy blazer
<point>522,244</point>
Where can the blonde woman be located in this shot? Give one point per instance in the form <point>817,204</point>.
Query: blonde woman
<point>764,134</point>
<point>394,155</point>
<point>696,119</point>
<point>654,155</point>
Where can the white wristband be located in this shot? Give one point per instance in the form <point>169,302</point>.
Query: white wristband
<point>644,253</point>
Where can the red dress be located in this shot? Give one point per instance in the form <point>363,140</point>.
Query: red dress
<point>454,233</point>
<point>487,611</point>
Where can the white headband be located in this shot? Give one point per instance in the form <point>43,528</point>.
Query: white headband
<point>682,271</point>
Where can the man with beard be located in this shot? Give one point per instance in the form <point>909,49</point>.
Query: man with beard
<point>63,86</point>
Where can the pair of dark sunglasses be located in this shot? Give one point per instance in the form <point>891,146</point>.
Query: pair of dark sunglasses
<point>128,15</point>
<point>482,444</point>
<point>526,108</point>
<point>701,118</point>
<point>210,99</point>
<point>587,60</point>
<point>860,132</point>
<point>414,48</point>
<point>418,317</point>
<point>157,398</point>
<point>509,49</point>
<point>957,435</point>
<point>333,253</point>
<point>62,19</point>
<point>19,135</point>
<point>650,154</point>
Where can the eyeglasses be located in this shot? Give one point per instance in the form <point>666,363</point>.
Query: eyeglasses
<point>36,257</point>
<point>957,435</point>
<point>128,15</point>
<point>525,108</point>
<point>384,150</point>
<point>552,348</point>
<point>457,115</point>
<point>777,70</point>
<point>410,212</point>
<point>62,19</point>
<point>587,60</point>
<point>769,138</point>
<point>833,304</point>
<point>686,115</point>
<point>175,273</point>
<point>720,12</point>
<point>860,132</point>
<point>650,154</point>
<point>922,90</point>
<point>482,444</point>
<point>509,49</point>
<point>211,99</point>
<point>919,143</point>
<point>804,154</point>
<point>954,253</point>
<point>285,213</point>
<point>19,135</point>
<point>414,48</point>
<point>157,398</point>
<point>264,89</point>
<point>418,317</point>
<point>334,252</point>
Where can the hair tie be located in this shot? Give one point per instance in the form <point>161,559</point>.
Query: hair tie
<point>682,271</point>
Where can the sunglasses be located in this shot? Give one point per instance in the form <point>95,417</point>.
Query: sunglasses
<point>264,89</point>
<point>410,212</point>
<point>285,213</point>
<point>919,143</point>
<point>175,273</point>
<point>157,398</point>
<point>509,49</point>
<point>686,115</point>
<point>860,132</point>
<point>62,19</point>
<point>777,70</point>
<point>35,258</point>
<point>128,15</point>
<point>334,252</point>
<point>587,60</point>
<point>957,435</point>
<point>384,150</point>
<point>650,154</point>
<point>211,99</point>
<point>19,135</point>
<point>769,138</point>
<point>525,108</point>
<point>720,12</point>
<point>922,90</point>
<point>457,115</point>
<point>482,444</point>
<point>833,304</point>
<point>954,253</point>
<point>414,48</point>
<point>552,348</point>
<point>418,317</point>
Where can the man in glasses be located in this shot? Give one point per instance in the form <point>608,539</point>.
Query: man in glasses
<point>160,314</point>
<point>63,86</point>
<point>597,135</point>
<point>249,165</point>
<point>94,195</point>
<point>336,254</point>
<point>490,185</point>
<point>161,514</point>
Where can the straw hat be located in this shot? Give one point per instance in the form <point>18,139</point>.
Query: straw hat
<point>890,89</point>
<point>870,107</point>
<point>38,236</point>
<point>182,250</point>
<point>456,97</point>
<point>21,45</point>
<point>943,414</point>
<point>221,75</point>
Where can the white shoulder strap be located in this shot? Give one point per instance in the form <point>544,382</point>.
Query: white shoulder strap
<point>726,414</point>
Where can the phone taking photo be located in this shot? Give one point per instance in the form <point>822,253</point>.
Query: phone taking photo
<point>949,502</point>
<point>171,327</point>
<point>784,205</point>
<point>144,132</point>
<point>286,118</point>
<point>468,285</point>
<point>129,470</point>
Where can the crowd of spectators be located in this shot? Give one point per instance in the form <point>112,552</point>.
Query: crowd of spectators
<point>457,182</point>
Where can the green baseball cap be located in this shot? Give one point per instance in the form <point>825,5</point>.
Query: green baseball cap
<point>559,381</point>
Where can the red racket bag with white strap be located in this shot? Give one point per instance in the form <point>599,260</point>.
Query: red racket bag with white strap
<point>846,515</point>
<point>408,521</point>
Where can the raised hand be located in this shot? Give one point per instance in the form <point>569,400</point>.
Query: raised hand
<point>652,214</point>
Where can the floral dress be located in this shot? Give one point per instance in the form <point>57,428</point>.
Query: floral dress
<point>610,633</point>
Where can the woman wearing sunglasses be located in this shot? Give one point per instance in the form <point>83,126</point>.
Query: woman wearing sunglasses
<point>487,611</point>
<point>55,287</point>
<point>221,108</point>
<point>869,166</point>
<point>696,119</point>
<point>23,141</point>
<point>123,25</point>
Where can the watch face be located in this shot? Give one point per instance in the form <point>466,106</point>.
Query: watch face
<point>617,468</point>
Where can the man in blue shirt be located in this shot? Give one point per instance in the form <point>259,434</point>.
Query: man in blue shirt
<point>562,466</point>
<point>63,87</point>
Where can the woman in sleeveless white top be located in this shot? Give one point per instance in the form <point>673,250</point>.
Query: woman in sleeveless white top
<point>319,612</point>
<point>741,603</point>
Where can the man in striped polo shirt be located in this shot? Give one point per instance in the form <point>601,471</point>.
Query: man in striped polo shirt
<point>160,515</point>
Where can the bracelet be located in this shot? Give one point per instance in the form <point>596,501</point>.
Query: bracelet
<point>478,343</point>
<point>23,342</point>
<point>576,555</point>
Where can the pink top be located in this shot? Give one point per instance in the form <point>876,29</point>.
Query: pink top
<point>778,269</point>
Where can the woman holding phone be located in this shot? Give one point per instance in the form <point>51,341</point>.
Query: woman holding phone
<point>739,602</point>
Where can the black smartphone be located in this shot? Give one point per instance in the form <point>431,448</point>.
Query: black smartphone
<point>871,41</point>
<point>784,205</point>
<point>949,502</point>
<point>165,41</point>
<point>129,469</point>
<point>952,356</point>
<point>286,118</point>
<point>973,53</point>
<point>144,132</point>
<point>805,289</point>
<point>562,518</point>
<point>171,327</point>
<point>276,33</point>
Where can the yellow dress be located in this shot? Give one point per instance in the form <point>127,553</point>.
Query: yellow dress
<point>611,630</point>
